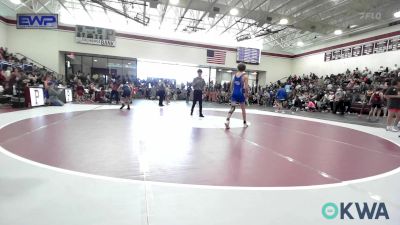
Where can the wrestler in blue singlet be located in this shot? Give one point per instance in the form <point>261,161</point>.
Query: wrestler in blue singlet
<point>237,93</point>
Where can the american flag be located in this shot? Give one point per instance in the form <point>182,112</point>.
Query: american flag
<point>216,57</point>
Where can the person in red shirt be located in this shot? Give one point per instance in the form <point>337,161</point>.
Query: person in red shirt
<point>79,91</point>
<point>114,92</point>
<point>2,77</point>
<point>376,102</point>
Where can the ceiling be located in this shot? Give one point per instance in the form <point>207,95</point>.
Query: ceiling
<point>310,21</point>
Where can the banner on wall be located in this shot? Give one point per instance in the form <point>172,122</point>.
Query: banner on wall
<point>37,21</point>
<point>95,36</point>
<point>375,47</point>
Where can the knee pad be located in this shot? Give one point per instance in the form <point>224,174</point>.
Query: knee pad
<point>232,109</point>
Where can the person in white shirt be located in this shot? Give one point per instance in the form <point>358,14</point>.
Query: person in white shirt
<point>395,68</point>
<point>365,72</point>
<point>8,73</point>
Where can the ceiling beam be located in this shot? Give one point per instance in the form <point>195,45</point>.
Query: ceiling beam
<point>15,10</point>
<point>84,8</point>
<point>269,12</point>
<point>62,5</point>
<point>205,13</point>
<point>354,31</point>
<point>323,11</point>
<point>44,6</point>
<point>99,2</point>
<point>163,13</point>
<point>123,8</point>
<point>281,6</point>
<point>183,15</point>
<point>24,4</point>
<point>226,13</point>
<point>248,13</point>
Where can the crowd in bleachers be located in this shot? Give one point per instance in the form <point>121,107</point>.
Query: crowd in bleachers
<point>17,74</point>
<point>344,92</point>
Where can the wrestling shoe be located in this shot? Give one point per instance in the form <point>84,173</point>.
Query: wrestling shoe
<point>227,124</point>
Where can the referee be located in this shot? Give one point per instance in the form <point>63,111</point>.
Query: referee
<point>198,87</point>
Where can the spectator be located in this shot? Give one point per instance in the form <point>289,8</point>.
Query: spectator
<point>80,91</point>
<point>281,97</point>
<point>392,95</point>
<point>339,101</point>
<point>376,104</point>
<point>114,92</point>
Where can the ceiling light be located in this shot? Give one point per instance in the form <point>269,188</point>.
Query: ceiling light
<point>397,14</point>
<point>174,2</point>
<point>300,44</point>
<point>219,70</point>
<point>234,11</point>
<point>17,2</point>
<point>283,21</point>
<point>353,26</point>
<point>94,60</point>
<point>338,32</point>
<point>229,71</point>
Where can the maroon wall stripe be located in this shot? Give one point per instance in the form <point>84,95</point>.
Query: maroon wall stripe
<point>9,21</point>
<point>277,54</point>
<point>175,42</point>
<point>184,43</point>
<point>61,27</point>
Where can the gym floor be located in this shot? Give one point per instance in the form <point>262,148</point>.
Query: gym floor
<point>96,164</point>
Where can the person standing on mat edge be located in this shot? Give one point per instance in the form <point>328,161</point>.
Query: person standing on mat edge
<point>198,87</point>
<point>239,89</point>
<point>392,95</point>
<point>161,93</point>
<point>280,97</point>
<point>126,95</point>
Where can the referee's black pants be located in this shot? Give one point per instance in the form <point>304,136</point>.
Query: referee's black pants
<point>197,96</point>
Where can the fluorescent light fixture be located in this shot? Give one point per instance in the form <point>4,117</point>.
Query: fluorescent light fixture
<point>283,21</point>
<point>300,44</point>
<point>17,2</point>
<point>353,26</point>
<point>234,12</point>
<point>129,63</point>
<point>219,70</point>
<point>397,14</point>
<point>94,60</point>
<point>174,2</point>
<point>229,71</point>
<point>338,32</point>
